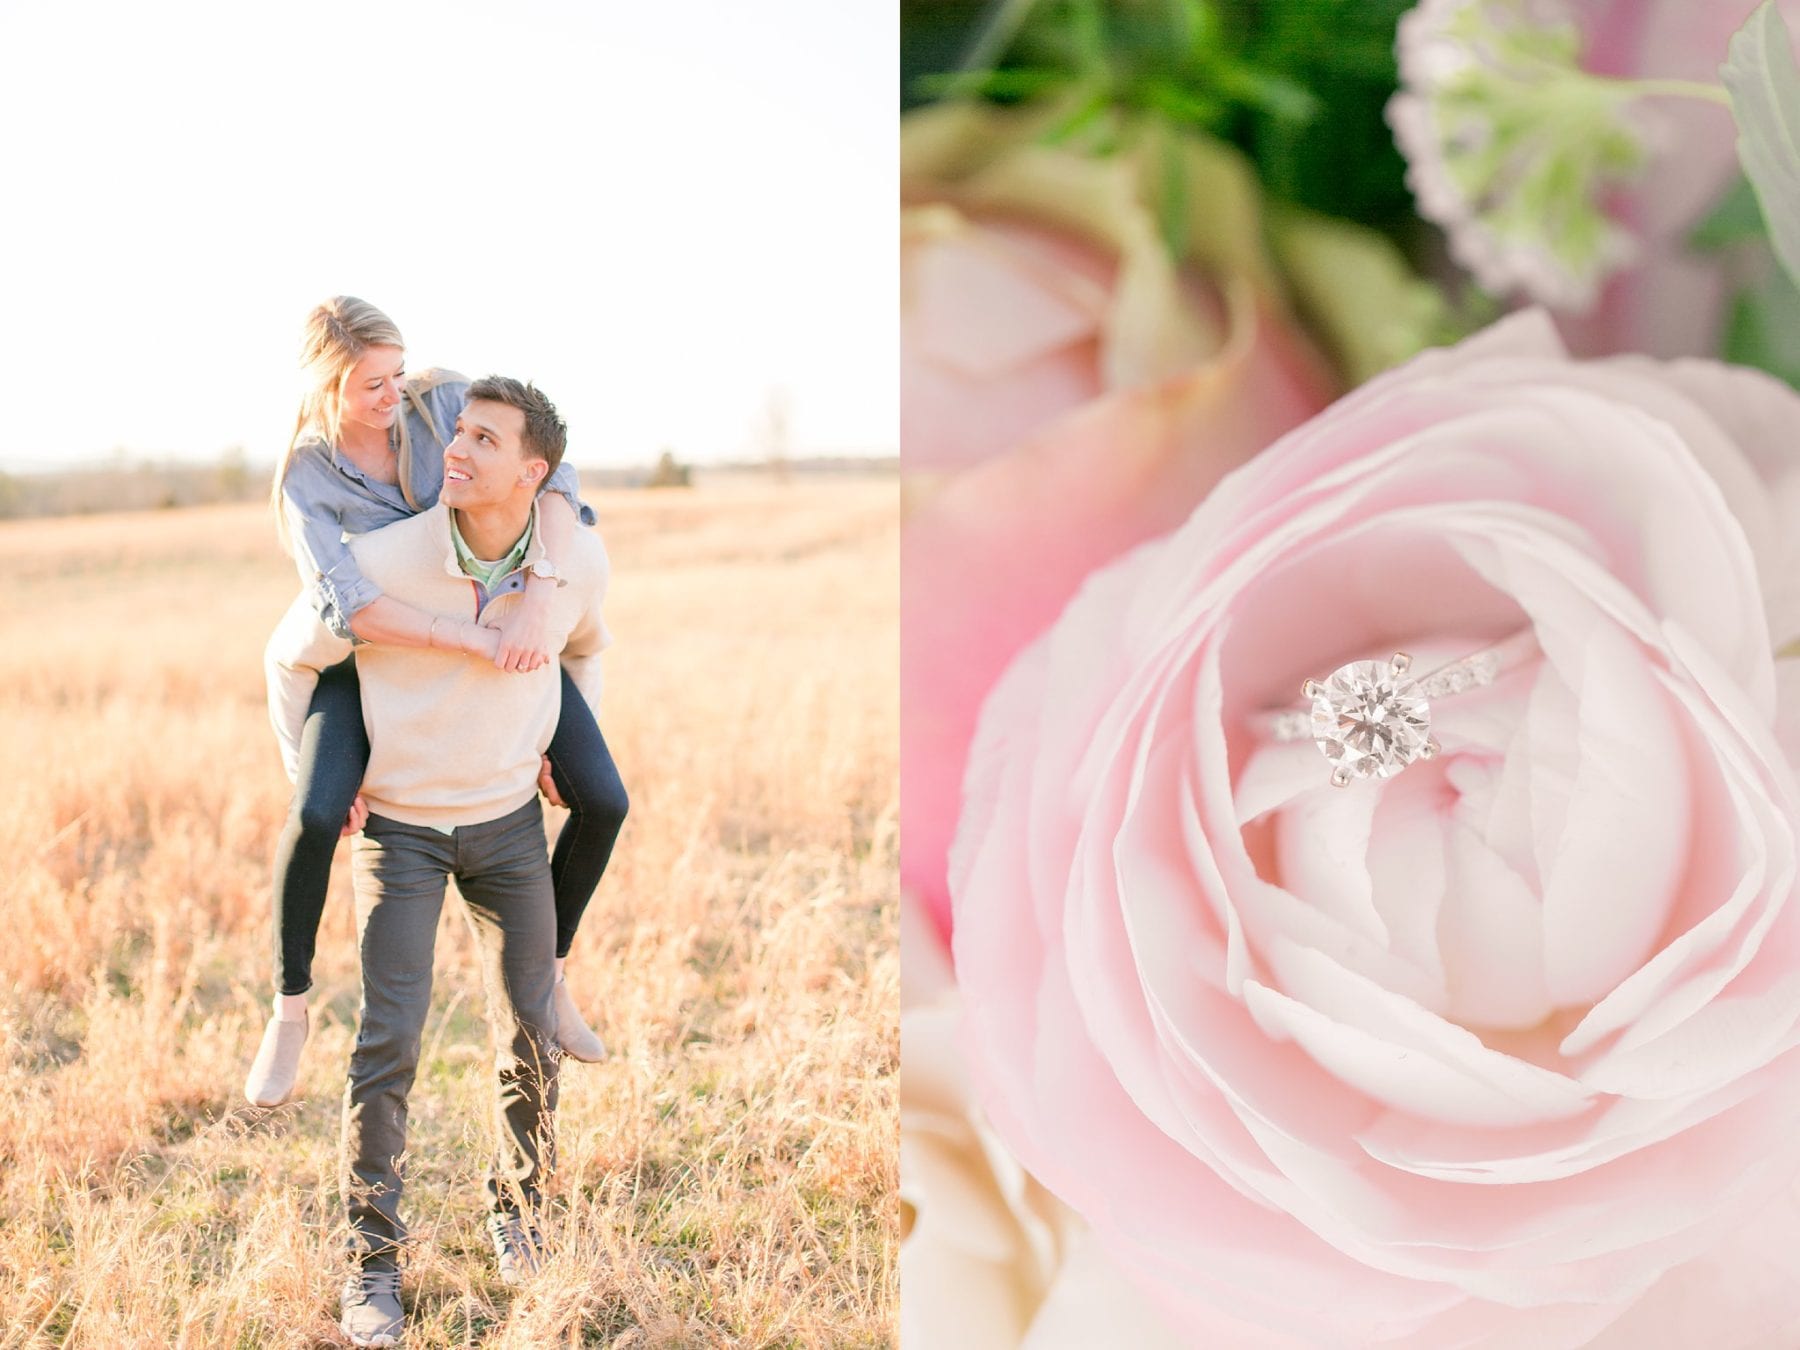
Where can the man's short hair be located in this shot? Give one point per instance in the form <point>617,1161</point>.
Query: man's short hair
<point>546,436</point>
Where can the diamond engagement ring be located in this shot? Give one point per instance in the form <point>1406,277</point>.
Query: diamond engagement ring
<point>1371,719</point>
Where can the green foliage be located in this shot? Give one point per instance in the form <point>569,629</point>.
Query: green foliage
<point>1735,219</point>
<point>1342,52</point>
<point>1763,328</point>
<point>1762,316</point>
<point>1259,75</point>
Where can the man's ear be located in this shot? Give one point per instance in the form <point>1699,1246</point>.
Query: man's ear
<point>536,470</point>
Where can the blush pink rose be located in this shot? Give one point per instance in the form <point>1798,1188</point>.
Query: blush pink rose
<point>1067,392</point>
<point>1500,1050</point>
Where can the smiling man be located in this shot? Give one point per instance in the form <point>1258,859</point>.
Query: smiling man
<point>451,790</point>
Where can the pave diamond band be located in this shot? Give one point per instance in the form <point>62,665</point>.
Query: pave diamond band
<point>1370,719</point>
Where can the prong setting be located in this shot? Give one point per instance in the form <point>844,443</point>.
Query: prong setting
<point>1369,719</point>
<point>1372,718</point>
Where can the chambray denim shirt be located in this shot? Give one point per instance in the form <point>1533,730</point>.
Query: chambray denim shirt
<point>327,500</point>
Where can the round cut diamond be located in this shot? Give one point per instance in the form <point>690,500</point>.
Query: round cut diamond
<point>1370,720</point>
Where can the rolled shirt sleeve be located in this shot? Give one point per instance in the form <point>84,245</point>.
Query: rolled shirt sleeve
<point>323,500</point>
<point>328,571</point>
<point>565,481</point>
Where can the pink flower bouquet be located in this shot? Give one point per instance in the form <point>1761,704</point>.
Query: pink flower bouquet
<point>1366,831</point>
<point>1069,392</point>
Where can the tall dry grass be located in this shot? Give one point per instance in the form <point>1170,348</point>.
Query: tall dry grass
<point>727,1178</point>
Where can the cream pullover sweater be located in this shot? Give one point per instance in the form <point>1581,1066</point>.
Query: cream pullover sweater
<point>453,740</point>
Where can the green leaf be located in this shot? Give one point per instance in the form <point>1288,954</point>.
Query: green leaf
<point>1356,291</point>
<point>1764,85</point>
<point>1284,99</point>
<point>1343,162</point>
<point>1007,85</point>
<point>1764,329</point>
<point>1182,105</point>
<point>1172,200</point>
<point>1734,219</point>
<point>1086,115</point>
<point>1087,25</point>
<point>1299,85</point>
<point>1196,25</point>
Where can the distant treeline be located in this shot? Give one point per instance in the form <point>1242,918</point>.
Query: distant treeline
<point>150,485</point>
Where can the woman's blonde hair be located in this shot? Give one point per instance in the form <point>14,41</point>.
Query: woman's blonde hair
<point>332,341</point>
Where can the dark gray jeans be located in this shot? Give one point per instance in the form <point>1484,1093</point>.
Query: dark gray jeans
<point>503,872</point>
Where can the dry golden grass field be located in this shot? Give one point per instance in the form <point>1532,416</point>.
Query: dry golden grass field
<point>727,1177</point>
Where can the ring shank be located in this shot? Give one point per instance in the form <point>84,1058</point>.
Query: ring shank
<point>1475,671</point>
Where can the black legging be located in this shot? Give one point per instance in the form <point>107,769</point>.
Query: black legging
<point>334,752</point>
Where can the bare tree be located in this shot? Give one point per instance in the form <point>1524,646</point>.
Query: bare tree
<point>773,432</point>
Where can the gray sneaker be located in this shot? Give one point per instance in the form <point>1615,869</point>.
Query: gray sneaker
<point>371,1307</point>
<point>518,1248</point>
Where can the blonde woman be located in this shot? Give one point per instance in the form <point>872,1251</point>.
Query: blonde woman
<point>367,450</point>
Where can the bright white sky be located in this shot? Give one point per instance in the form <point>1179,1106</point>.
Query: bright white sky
<point>660,212</point>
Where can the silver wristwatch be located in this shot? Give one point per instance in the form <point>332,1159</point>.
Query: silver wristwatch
<point>546,569</point>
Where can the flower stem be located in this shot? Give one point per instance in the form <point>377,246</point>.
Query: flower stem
<point>1709,93</point>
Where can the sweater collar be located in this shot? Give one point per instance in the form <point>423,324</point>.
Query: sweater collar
<point>440,531</point>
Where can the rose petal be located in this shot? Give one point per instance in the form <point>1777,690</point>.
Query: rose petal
<point>993,557</point>
<point>1400,1054</point>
